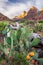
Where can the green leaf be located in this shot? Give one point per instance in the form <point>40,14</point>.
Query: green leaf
<point>0,59</point>
<point>8,40</point>
<point>36,55</point>
<point>26,33</point>
<point>27,44</point>
<point>13,35</point>
<point>19,34</point>
<point>35,42</point>
<point>17,56</point>
<point>4,31</point>
<point>1,47</point>
<point>26,63</point>
<point>40,60</point>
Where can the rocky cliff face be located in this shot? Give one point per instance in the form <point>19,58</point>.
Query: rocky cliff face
<point>21,16</point>
<point>32,14</point>
<point>3,17</point>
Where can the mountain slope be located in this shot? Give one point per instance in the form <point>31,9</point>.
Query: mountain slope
<point>21,16</point>
<point>3,17</point>
<point>32,14</point>
<point>35,14</point>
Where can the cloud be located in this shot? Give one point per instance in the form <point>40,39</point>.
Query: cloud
<point>19,1</point>
<point>39,3</point>
<point>16,9</point>
<point>3,5</point>
<point>13,9</point>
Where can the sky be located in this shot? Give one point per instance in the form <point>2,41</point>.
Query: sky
<point>12,8</point>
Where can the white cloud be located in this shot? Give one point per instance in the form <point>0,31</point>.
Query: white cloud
<point>13,9</point>
<point>3,6</point>
<point>16,9</point>
<point>2,3</point>
<point>39,3</point>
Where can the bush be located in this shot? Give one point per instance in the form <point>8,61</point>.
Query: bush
<point>41,21</point>
<point>18,46</point>
<point>2,26</point>
<point>38,27</point>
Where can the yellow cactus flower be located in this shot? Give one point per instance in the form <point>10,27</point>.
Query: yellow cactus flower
<point>27,57</point>
<point>31,54</point>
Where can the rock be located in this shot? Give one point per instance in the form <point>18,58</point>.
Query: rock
<point>35,35</point>
<point>41,54</point>
<point>15,27</point>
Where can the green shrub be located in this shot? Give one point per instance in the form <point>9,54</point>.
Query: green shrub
<point>38,27</point>
<point>2,26</point>
<point>20,45</point>
<point>41,21</point>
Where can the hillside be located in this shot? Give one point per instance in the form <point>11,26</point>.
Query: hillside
<point>4,18</point>
<point>32,14</point>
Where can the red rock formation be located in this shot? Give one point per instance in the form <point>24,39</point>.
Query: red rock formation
<point>32,14</point>
<point>3,17</point>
